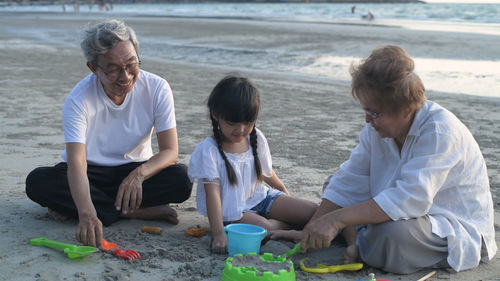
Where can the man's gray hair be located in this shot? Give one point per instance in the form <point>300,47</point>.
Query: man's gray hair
<point>99,39</point>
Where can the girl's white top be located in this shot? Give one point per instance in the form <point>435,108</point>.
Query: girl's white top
<point>207,166</point>
<point>440,173</point>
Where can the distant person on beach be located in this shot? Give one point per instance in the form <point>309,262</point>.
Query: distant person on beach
<point>76,5</point>
<point>233,164</point>
<point>415,192</point>
<point>353,9</point>
<point>369,16</point>
<point>109,170</point>
<point>100,3</point>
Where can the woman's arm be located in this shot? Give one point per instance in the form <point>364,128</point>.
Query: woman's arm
<point>275,183</point>
<point>214,213</point>
<point>321,230</point>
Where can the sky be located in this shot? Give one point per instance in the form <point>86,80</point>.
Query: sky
<point>463,1</point>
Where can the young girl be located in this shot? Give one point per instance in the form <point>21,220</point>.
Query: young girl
<point>232,165</point>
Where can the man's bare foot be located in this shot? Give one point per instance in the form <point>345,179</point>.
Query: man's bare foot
<point>162,212</point>
<point>291,235</point>
<point>351,254</point>
<point>57,216</point>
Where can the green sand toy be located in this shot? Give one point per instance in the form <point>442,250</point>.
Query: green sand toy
<point>73,251</point>
<point>266,267</point>
<point>252,267</point>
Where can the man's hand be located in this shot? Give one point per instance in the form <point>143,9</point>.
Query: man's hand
<point>129,196</point>
<point>89,231</point>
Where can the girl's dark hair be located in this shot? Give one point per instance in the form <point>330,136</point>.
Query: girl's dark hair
<point>235,99</point>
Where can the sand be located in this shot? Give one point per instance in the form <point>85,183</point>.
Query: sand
<point>311,124</point>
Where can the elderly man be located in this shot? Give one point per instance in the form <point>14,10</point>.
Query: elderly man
<point>109,170</point>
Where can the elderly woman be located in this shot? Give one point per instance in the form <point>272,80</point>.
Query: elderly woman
<point>416,186</point>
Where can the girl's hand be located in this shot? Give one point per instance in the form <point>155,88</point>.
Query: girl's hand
<point>284,190</point>
<point>219,244</point>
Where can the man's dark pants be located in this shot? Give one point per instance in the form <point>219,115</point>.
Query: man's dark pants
<point>48,186</point>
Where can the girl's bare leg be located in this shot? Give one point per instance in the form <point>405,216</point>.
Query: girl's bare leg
<point>292,210</point>
<point>285,209</point>
<point>290,235</point>
<point>268,224</point>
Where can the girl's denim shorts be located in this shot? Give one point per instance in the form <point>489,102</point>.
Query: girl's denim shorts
<point>264,207</point>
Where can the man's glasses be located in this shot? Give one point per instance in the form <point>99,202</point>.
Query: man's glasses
<point>115,71</point>
<point>373,115</point>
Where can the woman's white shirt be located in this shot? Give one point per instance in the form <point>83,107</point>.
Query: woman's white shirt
<point>206,165</point>
<point>440,172</point>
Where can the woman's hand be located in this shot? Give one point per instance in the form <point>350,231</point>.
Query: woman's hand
<point>320,232</point>
<point>219,244</point>
<point>129,196</point>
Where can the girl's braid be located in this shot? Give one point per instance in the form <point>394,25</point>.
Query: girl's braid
<point>218,139</point>
<point>253,143</point>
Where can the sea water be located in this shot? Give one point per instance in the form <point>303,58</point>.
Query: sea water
<point>449,12</point>
<point>479,75</point>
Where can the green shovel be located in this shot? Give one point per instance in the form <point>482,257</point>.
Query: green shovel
<point>293,251</point>
<point>73,251</point>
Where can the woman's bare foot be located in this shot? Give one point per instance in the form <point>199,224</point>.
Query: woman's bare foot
<point>162,212</point>
<point>351,254</point>
<point>57,216</point>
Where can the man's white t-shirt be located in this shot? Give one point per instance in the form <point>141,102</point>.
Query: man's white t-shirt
<point>118,134</point>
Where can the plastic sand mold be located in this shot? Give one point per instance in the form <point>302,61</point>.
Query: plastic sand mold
<point>252,267</point>
<point>265,267</point>
<point>151,229</point>
<point>73,251</point>
<point>197,231</point>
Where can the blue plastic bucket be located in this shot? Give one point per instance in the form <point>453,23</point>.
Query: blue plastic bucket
<point>244,238</point>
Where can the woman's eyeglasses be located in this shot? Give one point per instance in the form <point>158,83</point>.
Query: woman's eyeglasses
<point>373,115</point>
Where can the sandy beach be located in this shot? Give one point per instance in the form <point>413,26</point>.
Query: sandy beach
<point>311,123</point>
